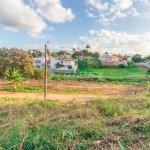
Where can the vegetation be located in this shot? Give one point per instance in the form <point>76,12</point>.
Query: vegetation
<point>16,78</point>
<point>58,65</point>
<point>70,67</point>
<point>122,66</point>
<point>85,53</point>
<point>14,58</point>
<point>53,54</point>
<point>80,125</point>
<point>132,64</point>
<point>39,74</point>
<point>148,73</point>
<point>89,63</point>
<point>23,89</point>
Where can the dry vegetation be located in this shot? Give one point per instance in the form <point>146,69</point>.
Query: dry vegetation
<point>75,87</point>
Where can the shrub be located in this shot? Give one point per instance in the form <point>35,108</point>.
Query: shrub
<point>70,67</point>
<point>58,77</point>
<point>39,74</point>
<point>132,64</point>
<point>122,66</point>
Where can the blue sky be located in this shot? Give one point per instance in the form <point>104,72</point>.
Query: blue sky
<point>115,26</point>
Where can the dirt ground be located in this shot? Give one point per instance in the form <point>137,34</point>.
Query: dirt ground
<point>79,90</point>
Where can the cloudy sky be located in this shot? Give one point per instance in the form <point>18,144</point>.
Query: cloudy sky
<point>115,26</point>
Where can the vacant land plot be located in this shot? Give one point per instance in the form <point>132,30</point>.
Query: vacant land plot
<point>77,88</point>
<point>112,124</point>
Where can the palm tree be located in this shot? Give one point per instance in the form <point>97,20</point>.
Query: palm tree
<point>88,46</point>
<point>106,53</point>
<point>74,49</point>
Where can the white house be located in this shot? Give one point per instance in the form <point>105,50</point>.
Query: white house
<point>127,58</point>
<point>67,65</point>
<point>146,64</point>
<point>105,58</point>
<point>39,62</point>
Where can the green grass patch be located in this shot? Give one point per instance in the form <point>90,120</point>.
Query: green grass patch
<point>23,89</point>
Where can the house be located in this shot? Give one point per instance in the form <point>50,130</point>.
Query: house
<point>66,65</point>
<point>39,62</point>
<point>145,64</point>
<point>113,60</point>
<point>127,58</point>
<point>118,60</point>
<point>105,58</point>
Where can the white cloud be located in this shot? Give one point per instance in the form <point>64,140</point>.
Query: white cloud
<point>110,11</point>
<point>98,4</point>
<point>18,15</point>
<point>124,42</point>
<point>15,16</point>
<point>123,4</point>
<point>36,35</point>
<point>33,46</point>
<point>120,14</point>
<point>90,15</point>
<point>92,32</point>
<point>53,11</point>
<point>51,28</point>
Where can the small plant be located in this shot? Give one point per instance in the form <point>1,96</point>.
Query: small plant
<point>70,67</point>
<point>16,78</point>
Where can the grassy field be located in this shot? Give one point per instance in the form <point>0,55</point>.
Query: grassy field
<point>108,75</point>
<point>115,123</point>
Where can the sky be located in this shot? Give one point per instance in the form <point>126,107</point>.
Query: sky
<point>113,26</point>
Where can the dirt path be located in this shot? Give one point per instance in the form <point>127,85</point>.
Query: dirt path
<point>49,96</point>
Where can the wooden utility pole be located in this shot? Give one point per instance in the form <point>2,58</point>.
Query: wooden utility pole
<point>45,74</point>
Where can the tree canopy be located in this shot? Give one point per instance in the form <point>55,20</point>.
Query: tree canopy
<point>14,58</point>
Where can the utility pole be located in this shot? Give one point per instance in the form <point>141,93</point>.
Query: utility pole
<point>45,74</point>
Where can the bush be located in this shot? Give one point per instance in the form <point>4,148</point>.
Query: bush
<point>58,77</point>
<point>39,74</point>
<point>122,66</point>
<point>132,64</point>
<point>70,67</point>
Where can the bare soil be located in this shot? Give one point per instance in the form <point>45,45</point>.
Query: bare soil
<point>79,90</point>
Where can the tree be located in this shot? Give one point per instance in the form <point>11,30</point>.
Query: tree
<point>96,55</point>
<point>53,54</point>
<point>17,59</point>
<point>88,46</point>
<point>35,53</point>
<point>137,58</point>
<point>77,54</point>
<point>74,49</point>
<point>85,52</point>
<point>106,53</point>
<point>60,52</point>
